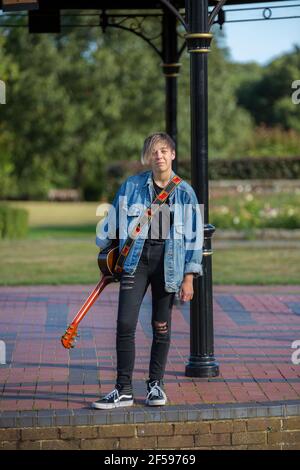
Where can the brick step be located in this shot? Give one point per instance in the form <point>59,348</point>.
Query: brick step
<point>236,434</point>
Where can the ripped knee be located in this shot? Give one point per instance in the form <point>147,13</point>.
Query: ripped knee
<point>161,327</point>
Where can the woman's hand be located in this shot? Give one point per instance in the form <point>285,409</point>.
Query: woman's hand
<point>187,290</point>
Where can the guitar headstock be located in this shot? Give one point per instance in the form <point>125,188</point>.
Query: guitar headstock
<point>68,338</point>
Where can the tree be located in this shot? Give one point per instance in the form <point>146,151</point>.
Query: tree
<point>268,98</point>
<point>81,99</point>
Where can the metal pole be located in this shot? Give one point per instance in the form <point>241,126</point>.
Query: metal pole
<point>202,362</point>
<point>171,71</point>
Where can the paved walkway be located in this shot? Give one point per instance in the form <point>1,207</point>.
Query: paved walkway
<point>255,327</point>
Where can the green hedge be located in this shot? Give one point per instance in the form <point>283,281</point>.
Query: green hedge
<point>218,169</point>
<point>13,222</point>
<point>249,168</point>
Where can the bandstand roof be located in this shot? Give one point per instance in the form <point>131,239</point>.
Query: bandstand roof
<point>117,4</point>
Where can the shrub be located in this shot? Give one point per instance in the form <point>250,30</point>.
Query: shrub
<point>13,222</point>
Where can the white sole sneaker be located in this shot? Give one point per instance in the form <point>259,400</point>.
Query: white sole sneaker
<point>156,395</point>
<point>109,406</point>
<point>159,402</point>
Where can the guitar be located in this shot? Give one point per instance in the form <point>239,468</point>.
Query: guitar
<point>111,262</point>
<point>107,259</point>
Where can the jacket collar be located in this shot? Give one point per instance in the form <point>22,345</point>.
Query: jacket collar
<point>149,177</point>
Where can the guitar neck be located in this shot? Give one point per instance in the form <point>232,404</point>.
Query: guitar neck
<point>91,299</point>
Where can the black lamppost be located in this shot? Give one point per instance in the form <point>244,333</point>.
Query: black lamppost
<point>201,362</point>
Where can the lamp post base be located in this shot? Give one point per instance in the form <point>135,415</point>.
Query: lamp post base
<point>205,367</point>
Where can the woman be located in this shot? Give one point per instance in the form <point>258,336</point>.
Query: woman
<point>163,256</point>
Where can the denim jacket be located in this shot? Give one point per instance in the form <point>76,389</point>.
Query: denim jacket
<point>183,248</point>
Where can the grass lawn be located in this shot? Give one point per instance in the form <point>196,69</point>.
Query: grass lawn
<point>70,261</point>
<point>49,261</point>
<point>60,249</point>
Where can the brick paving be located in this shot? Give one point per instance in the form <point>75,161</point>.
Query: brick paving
<point>255,327</point>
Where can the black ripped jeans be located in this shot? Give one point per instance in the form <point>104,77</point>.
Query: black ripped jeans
<point>150,270</point>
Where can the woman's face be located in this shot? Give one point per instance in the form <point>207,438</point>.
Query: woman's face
<point>161,156</point>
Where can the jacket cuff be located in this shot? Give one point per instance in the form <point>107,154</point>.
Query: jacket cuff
<point>193,268</point>
<point>103,243</point>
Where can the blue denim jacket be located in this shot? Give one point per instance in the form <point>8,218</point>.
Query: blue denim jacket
<point>183,251</point>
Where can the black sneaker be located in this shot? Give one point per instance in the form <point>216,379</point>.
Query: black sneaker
<point>114,399</point>
<point>155,396</point>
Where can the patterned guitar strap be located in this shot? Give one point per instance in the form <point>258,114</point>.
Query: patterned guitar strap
<point>145,218</point>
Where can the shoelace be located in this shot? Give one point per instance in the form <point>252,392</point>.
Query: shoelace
<point>155,390</point>
<point>114,394</point>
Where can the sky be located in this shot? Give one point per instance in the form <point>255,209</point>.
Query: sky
<point>261,41</point>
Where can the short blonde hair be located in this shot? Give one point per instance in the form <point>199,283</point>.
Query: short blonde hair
<point>151,140</point>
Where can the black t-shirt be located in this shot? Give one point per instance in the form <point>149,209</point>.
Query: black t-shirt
<point>163,231</point>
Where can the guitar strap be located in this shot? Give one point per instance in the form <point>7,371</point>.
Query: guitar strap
<point>146,217</point>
